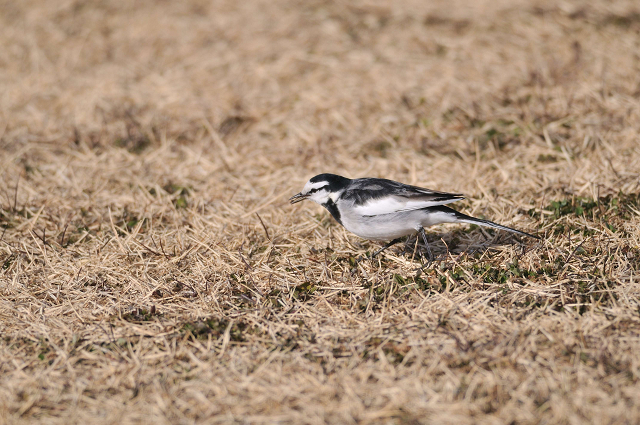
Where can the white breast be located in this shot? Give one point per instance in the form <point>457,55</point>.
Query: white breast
<point>385,227</point>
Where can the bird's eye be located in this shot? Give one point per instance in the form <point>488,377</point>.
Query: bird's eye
<point>314,190</point>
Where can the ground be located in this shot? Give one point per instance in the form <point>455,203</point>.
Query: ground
<point>152,270</point>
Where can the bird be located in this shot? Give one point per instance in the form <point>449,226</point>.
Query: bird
<point>385,210</point>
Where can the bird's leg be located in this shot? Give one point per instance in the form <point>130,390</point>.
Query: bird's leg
<point>389,244</point>
<point>393,242</point>
<point>426,243</point>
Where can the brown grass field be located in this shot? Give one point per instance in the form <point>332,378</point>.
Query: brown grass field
<point>153,271</point>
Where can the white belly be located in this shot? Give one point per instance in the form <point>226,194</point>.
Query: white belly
<point>391,226</point>
<point>378,230</point>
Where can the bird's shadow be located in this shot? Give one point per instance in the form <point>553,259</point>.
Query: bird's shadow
<point>443,244</point>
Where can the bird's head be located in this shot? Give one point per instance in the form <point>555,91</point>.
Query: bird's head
<point>321,188</point>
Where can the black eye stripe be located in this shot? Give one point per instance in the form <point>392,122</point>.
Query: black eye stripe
<point>315,189</point>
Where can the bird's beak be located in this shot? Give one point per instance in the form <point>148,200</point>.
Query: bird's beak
<point>299,197</point>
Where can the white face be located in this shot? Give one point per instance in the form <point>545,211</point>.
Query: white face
<point>317,192</point>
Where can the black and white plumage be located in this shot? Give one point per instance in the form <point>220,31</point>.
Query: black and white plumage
<point>385,210</point>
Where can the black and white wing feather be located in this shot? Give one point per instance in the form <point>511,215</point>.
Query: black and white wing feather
<point>373,197</point>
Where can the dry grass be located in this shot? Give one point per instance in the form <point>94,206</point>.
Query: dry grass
<point>151,269</point>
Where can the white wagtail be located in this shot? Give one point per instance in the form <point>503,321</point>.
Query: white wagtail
<point>383,210</point>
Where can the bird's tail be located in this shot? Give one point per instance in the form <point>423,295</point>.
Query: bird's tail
<point>463,218</point>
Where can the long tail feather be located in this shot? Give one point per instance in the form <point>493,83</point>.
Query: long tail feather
<point>463,218</point>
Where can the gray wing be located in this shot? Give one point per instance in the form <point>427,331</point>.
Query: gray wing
<point>381,196</point>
